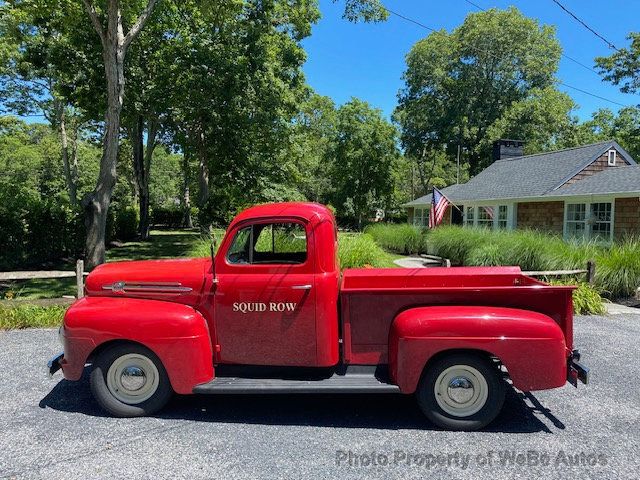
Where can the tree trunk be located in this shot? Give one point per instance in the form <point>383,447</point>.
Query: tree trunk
<point>187,221</point>
<point>96,204</point>
<point>203,182</point>
<point>69,177</point>
<point>141,169</point>
<point>152,132</point>
<point>114,48</point>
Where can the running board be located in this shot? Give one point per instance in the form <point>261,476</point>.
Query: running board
<point>349,383</point>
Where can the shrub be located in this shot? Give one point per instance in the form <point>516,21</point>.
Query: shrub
<point>35,231</point>
<point>399,238</point>
<point>126,223</point>
<point>31,316</point>
<point>587,301</point>
<point>171,217</point>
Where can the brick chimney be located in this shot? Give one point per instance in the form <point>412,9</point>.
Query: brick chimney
<point>505,148</point>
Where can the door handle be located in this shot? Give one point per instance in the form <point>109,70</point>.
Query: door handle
<point>301,287</point>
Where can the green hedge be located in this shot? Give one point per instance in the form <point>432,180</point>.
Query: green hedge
<point>171,217</point>
<point>34,232</point>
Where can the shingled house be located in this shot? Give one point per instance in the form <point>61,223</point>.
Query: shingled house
<point>591,192</point>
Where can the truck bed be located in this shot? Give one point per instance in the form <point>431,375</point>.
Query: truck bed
<point>372,298</point>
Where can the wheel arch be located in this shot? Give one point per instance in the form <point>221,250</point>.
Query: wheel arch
<point>528,344</point>
<point>177,334</point>
<point>484,354</point>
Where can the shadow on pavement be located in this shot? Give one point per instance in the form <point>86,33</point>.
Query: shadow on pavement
<point>521,412</point>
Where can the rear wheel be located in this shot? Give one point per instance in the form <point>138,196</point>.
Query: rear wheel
<point>129,380</point>
<point>461,392</point>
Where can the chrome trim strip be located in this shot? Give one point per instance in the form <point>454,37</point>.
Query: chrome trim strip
<point>147,287</point>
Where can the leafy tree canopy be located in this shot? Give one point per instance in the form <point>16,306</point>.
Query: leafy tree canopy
<point>459,84</point>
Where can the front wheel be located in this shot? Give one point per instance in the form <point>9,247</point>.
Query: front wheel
<point>129,380</point>
<point>461,392</point>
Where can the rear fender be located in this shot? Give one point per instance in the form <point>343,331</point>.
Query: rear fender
<point>176,333</point>
<point>529,344</point>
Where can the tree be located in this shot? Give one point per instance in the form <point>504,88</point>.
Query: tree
<point>363,156</point>
<point>458,84</point>
<point>312,139</point>
<point>543,119</point>
<point>31,83</point>
<point>236,83</point>
<point>622,68</point>
<point>605,125</point>
<point>115,44</point>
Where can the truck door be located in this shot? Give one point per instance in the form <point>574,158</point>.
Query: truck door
<point>265,299</point>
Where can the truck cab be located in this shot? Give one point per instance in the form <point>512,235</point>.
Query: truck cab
<point>277,284</point>
<point>272,312</point>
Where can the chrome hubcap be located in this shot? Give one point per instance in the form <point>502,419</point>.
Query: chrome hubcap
<point>461,391</point>
<point>132,378</point>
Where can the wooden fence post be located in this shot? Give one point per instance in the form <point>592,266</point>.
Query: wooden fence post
<point>80,277</point>
<point>591,272</point>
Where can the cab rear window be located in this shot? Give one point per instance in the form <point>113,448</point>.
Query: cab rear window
<point>269,243</point>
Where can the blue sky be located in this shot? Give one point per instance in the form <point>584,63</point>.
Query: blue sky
<point>367,60</point>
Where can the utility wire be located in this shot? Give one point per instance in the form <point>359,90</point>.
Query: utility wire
<point>580,21</point>
<point>422,25</point>
<point>578,62</point>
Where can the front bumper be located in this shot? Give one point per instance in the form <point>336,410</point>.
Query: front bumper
<point>55,364</point>
<point>576,371</point>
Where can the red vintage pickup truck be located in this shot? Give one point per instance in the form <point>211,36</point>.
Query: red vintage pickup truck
<point>273,313</point>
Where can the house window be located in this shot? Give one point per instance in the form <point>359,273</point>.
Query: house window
<point>600,221</point>
<point>485,216</point>
<point>612,158</point>
<point>589,220</point>
<point>576,220</point>
<point>502,217</point>
<point>469,216</point>
<point>420,217</point>
<point>488,216</point>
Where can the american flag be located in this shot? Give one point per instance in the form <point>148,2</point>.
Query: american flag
<point>439,204</point>
<point>489,211</point>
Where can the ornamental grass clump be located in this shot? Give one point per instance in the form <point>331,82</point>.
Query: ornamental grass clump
<point>360,250</point>
<point>618,269</point>
<point>456,243</point>
<point>399,238</point>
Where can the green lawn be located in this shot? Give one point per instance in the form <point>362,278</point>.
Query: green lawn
<point>162,244</point>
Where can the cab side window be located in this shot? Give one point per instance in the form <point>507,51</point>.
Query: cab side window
<point>269,244</point>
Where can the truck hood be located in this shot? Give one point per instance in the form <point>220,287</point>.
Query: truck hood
<point>179,280</point>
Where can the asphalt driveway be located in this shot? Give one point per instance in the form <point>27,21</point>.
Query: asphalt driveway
<point>52,428</point>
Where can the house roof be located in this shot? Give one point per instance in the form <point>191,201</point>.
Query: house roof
<point>611,180</point>
<point>536,175</point>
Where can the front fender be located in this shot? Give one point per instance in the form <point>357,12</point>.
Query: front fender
<point>529,344</point>
<point>176,333</point>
